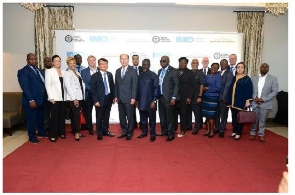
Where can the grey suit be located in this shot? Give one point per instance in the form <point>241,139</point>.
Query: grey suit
<point>222,109</point>
<point>269,91</point>
<point>125,90</point>
<point>170,87</point>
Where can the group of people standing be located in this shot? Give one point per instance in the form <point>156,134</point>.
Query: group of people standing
<point>205,92</point>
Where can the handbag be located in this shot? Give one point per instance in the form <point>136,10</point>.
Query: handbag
<point>246,116</point>
<point>82,118</point>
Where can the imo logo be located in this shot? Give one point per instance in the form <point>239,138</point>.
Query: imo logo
<point>184,39</point>
<point>98,39</point>
<point>156,39</point>
<point>68,38</point>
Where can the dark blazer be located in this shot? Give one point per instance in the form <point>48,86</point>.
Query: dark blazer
<point>187,85</point>
<point>86,77</point>
<point>170,85</point>
<point>32,85</point>
<point>199,80</point>
<point>139,68</point>
<point>226,80</point>
<point>97,87</point>
<point>126,87</point>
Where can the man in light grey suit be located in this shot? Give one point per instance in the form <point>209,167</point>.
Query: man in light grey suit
<point>126,86</point>
<point>265,87</point>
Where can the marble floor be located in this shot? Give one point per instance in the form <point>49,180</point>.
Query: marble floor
<point>19,136</point>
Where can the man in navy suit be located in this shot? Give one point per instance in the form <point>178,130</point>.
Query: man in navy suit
<point>102,89</point>
<point>88,103</point>
<point>222,109</point>
<point>126,86</point>
<point>31,81</point>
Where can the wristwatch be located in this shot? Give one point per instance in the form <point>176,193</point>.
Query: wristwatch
<point>155,101</point>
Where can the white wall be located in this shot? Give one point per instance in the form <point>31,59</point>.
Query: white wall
<point>18,31</point>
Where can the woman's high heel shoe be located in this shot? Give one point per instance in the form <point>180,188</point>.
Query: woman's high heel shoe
<point>77,139</point>
<point>206,134</point>
<point>232,135</point>
<point>210,136</point>
<point>237,137</point>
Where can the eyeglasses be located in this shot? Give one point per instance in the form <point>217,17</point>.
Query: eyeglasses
<point>163,61</point>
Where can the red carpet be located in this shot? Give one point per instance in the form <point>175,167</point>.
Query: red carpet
<point>190,164</point>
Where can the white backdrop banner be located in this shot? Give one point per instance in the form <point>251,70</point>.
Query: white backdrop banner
<point>147,44</point>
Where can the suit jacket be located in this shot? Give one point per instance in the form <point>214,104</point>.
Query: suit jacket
<point>170,85</point>
<point>208,71</point>
<point>187,85</point>
<point>52,84</point>
<point>269,91</point>
<point>86,76</point>
<point>74,90</point>
<point>126,87</point>
<point>226,80</point>
<point>199,80</point>
<point>97,87</point>
<point>33,87</point>
<point>139,69</point>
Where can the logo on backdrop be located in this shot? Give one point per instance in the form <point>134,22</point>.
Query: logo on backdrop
<point>218,55</point>
<point>156,39</point>
<point>184,39</point>
<point>68,38</point>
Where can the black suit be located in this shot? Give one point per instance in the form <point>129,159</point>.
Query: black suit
<point>222,109</point>
<point>170,89</point>
<point>134,115</point>
<point>125,90</point>
<point>187,86</point>
<point>98,92</point>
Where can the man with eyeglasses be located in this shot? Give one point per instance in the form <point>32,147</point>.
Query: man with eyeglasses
<point>232,63</point>
<point>168,91</point>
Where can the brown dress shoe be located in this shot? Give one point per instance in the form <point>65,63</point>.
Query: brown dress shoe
<point>251,137</point>
<point>261,139</point>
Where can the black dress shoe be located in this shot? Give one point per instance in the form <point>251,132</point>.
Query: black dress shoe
<point>109,134</point>
<point>128,137</point>
<point>161,134</point>
<point>122,135</point>
<point>152,139</point>
<point>195,132</point>
<point>221,135</point>
<point>142,135</point>
<point>91,132</point>
<point>170,139</point>
<point>99,137</point>
<point>52,139</point>
<point>62,136</point>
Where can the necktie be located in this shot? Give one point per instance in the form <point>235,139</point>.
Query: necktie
<point>105,84</point>
<point>79,69</point>
<point>38,73</point>
<point>136,69</point>
<point>160,91</point>
<point>204,71</point>
<point>123,73</point>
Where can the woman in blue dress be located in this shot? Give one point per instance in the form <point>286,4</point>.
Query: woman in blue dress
<point>212,87</point>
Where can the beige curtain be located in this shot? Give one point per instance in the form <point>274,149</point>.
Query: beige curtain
<point>251,25</point>
<point>47,20</point>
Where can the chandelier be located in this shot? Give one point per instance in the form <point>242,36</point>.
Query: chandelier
<point>276,8</point>
<point>33,6</point>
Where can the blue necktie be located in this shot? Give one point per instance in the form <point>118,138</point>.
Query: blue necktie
<point>123,73</point>
<point>160,91</point>
<point>79,69</point>
<point>38,73</point>
<point>105,84</point>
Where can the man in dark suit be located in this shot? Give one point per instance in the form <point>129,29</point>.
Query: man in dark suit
<point>168,92</point>
<point>187,88</point>
<point>31,81</point>
<point>147,100</point>
<point>232,63</point>
<point>205,68</point>
<point>197,98</point>
<point>126,86</point>
<point>222,109</point>
<point>138,69</point>
<point>88,103</point>
<point>102,89</point>
<point>47,65</point>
